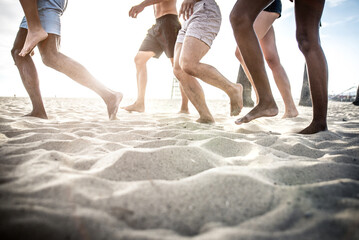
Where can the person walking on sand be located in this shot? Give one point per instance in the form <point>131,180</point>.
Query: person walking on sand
<point>201,26</point>
<point>35,33</point>
<point>161,37</point>
<point>50,12</point>
<point>263,27</point>
<point>243,16</point>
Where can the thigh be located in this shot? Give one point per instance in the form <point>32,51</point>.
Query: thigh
<point>177,55</point>
<point>264,22</point>
<point>193,50</point>
<point>307,15</point>
<point>20,39</point>
<point>268,45</point>
<point>249,8</point>
<point>144,56</point>
<point>50,45</point>
<point>150,43</point>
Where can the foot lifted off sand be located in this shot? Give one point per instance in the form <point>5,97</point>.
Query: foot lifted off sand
<point>32,39</point>
<point>237,100</point>
<point>112,105</point>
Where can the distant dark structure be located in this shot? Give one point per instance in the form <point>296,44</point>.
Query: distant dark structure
<point>247,88</point>
<point>305,99</point>
<point>356,101</point>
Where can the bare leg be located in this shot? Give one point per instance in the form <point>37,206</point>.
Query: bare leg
<point>49,50</point>
<point>184,104</point>
<point>243,15</point>
<point>35,32</point>
<point>246,71</point>
<point>141,75</point>
<point>309,43</point>
<point>28,75</point>
<point>192,88</point>
<point>270,52</point>
<point>261,26</point>
<point>192,52</point>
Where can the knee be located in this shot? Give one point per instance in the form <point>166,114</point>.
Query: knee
<point>15,54</point>
<point>272,61</point>
<point>239,21</point>
<point>306,43</point>
<point>49,59</point>
<point>177,71</point>
<point>188,67</point>
<point>139,60</point>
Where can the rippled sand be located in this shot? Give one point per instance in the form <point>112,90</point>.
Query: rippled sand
<point>161,175</point>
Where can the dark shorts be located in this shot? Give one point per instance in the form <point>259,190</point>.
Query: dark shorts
<point>275,7</point>
<point>162,36</point>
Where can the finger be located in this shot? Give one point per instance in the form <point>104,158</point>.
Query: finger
<point>186,13</point>
<point>181,11</point>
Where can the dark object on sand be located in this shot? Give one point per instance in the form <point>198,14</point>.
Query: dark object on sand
<point>356,101</point>
<point>247,88</point>
<point>305,99</point>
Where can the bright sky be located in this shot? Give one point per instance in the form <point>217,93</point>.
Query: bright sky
<point>101,36</point>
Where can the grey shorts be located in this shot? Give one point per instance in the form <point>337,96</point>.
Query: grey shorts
<point>50,12</point>
<point>204,23</point>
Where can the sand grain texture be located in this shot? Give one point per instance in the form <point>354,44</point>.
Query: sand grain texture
<point>161,175</point>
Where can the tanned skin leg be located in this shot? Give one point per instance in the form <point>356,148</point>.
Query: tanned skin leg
<point>192,52</point>
<point>309,43</point>
<point>184,104</point>
<point>261,26</point>
<point>243,15</point>
<point>35,32</point>
<point>49,50</point>
<point>192,88</point>
<point>141,60</point>
<point>271,56</point>
<point>28,75</point>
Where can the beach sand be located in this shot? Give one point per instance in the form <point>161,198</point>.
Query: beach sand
<point>161,175</point>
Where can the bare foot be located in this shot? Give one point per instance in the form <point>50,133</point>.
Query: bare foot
<point>291,113</point>
<point>42,115</point>
<point>32,39</point>
<point>136,107</point>
<point>237,100</point>
<point>314,127</point>
<point>261,110</point>
<point>112,105</point>
<point>206,120</point>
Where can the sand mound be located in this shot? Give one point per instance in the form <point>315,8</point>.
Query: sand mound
<point>161,175</point>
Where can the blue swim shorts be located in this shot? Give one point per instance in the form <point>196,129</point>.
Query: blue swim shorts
<point>50,12</point>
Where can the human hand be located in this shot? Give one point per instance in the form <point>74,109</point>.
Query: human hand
<point>135,10</point>
<point>187,8</point>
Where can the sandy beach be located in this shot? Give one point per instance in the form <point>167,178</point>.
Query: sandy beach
<point>161,175</point>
